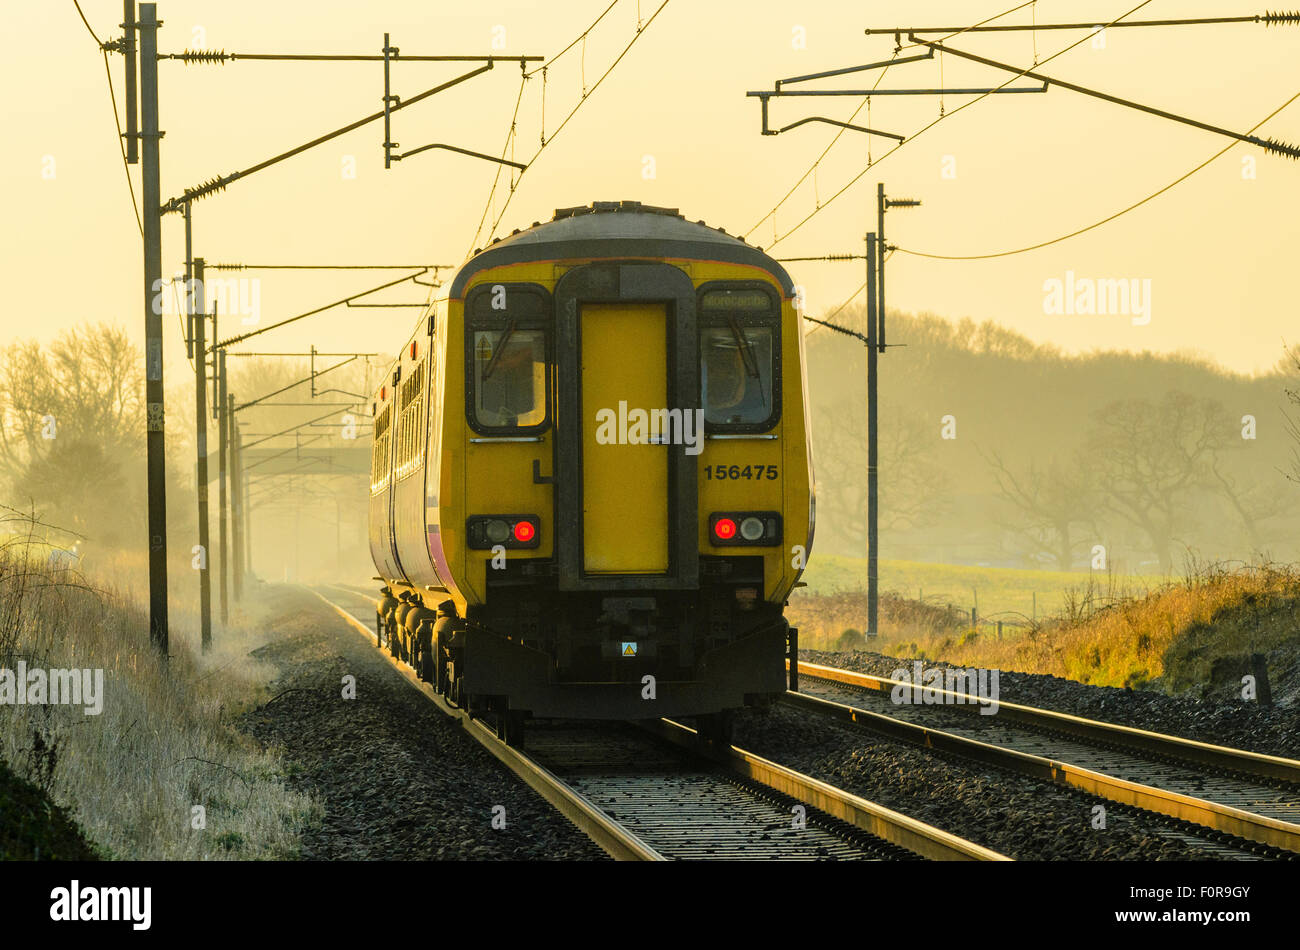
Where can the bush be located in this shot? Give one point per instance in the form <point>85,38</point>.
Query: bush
<point>850,639</point>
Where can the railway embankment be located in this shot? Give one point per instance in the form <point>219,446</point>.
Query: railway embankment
<point>1216,654</point>
<point>137,755</point>
<point>1235,722</point>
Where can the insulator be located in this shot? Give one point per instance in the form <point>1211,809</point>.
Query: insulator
<point>1277,19</point>
<point>210,187</point>
<point>1281,148</point>
<point>193,56</point>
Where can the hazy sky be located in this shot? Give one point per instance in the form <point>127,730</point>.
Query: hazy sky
<point>1219,250</point>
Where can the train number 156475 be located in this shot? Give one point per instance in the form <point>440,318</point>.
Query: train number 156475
<point>735,472</point>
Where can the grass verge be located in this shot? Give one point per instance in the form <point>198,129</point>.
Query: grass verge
<point>161,772</point>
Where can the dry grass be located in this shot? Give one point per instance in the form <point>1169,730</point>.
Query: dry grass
<point>165,741</point>
<point>829,621</point>
<point>1108,633</point>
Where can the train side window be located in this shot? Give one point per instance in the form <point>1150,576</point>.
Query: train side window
<point>739,358</point>
<point>507,340</point>
<point>410,445</point>
<point>379,461</point>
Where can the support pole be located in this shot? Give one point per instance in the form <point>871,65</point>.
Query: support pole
<point>247,507</point>
<point>223,440</point>
<point>881,204</point>
<point>873,507</point>
<point>199,320</point>
<point>132,134</point>
<point>236,500</point>
<point>153,330</point>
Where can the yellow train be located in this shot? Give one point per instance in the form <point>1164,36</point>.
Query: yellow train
<point>592,488</point>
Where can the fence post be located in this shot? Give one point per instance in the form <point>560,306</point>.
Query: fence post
<point>1259,667</point>
<point>792,654</point>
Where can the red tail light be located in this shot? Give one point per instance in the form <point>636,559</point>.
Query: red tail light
<point>745,528</point>
<point>484,532</point>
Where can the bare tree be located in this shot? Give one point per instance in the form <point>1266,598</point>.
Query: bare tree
<point>1052,503</point>
<point>1147,460</point>
<point>71,426</point>
<point>913,485</point>
<point>1292,425</point>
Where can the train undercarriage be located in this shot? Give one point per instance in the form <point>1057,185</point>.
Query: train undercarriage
<point>533,651</point>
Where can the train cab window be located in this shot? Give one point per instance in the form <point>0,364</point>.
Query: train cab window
<point>509,373</point>
<point>509,378</point>
<point>739,364</point>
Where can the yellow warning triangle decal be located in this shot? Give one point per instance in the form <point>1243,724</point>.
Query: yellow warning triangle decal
<point>629,649</point>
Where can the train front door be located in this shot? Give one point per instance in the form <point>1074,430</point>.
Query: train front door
<point>624,461</point>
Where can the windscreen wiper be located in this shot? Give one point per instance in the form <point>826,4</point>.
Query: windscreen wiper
<point>501,348</point>
<point>746,351</point>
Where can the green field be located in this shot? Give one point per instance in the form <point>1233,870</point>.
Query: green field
<point>1002,593</point>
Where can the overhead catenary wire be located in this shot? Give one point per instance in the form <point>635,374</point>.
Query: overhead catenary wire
<point>510,135</point>
<point>507,145</point>
<point>329,306</point>
<point>112,96</point>
<point>294,385</point>
<point>965,105</point>
<point>587,94</point>
<point>219,57</point>
<point>580,37</point>
<point>1106,220</point>
<point>299,425</point>
<point>1268,19</point>
<point>1269,145</point>
<point>866,101</point>
<point>824,321</point>
<point>432,267</point>
<point>222,181</point>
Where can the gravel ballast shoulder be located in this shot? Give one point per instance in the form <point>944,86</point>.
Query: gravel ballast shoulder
<point>1020,817</point>
<point>395,777</point>
<point>1241,725</point>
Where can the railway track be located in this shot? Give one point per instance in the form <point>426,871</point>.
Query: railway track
<point>647,793</point>
<point>1231,793</point>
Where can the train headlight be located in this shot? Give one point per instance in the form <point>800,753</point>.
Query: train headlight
<point>484,532</point>
<point>745,528</point>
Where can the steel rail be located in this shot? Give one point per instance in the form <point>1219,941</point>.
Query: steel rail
<point>1256,764</point>
<point>1219,817</point>
<point>885,823</point>
<point>615,840</point>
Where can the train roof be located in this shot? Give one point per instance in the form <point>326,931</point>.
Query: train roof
<point>617,229</point>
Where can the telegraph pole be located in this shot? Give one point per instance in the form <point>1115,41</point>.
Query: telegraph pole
<point>873,506</point>
<point>128,53</point>
<point>876,249</point>
<point>236,500</point>
<point>223,435</point>
<point>153,331</point>
<point>199,318</point>
<point>247,509</point>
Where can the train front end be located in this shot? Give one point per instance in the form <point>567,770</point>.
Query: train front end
<point>622,499</point>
